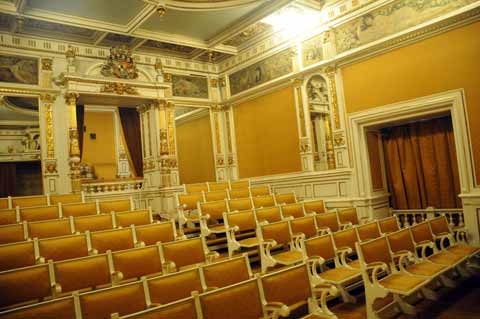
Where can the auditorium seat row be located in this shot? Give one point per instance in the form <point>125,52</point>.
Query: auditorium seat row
<point>28,253</point>
<point>216,186</point>
<point>40,200</point>
<point>220,290</point>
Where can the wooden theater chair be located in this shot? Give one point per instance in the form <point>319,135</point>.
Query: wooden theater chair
<point>215,195</point>
<point>117,205</point>
<point>196,188</point>
<point>187,253</point>
<point>116,239</point>
<point>239,204</point>
<point>101,304</point>
<point>368,231</point>
<point>278,235</point>
<point>9,216</point>
<point>227,272</point>
<point>389,225</point>
<point>218,186</point>
<point>286,198</point>
<point>172,287</point>
<point>181,309</point>
<point>260,191</point>
<point>13,233</point>
<point>319,251</point>
<point>211,217</point>
<point>134,217</point>
<point>92,223</point>
<point>5,203</point>
<point>349,216</point>
<point>17,255</point>
<point>328,223</point>
<point>156,233</point>
<point>30,201</point>
<point>24,285</point>
<point>78,274</point>
<point>135,263</point>
<point>187,208</point>
<point>59,308</point>
<point>268,215</point>
<point>314,206</point>
<point>49,228</point>
<point>263,201</point>
<point>304,225</point>
<point>40,213</point>
<point>293,210</point>
<point>79,209</point>
<point>375,258</point>
<point>239,193</point>
<point>291,288</point>
<point>240,227</point>
<point>67,198</point>
<point>241,184</point>
<point>345,242</point>
<point>61,248</point>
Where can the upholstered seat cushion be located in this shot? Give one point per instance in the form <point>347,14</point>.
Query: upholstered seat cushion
<point>315,316</point>
<point>355,264</point>
<point>446,258</point>
<point>463,250</point>
<point>426,269</point>
<point>339,274</point>
<point>217,228</point>
<point>249,242</point>
<point>401,283</point>
<point>288,257</point>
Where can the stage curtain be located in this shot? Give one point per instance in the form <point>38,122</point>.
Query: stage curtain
<point>131,129</point>
<point>8,173</point>
<point>421,164</point>
<point>80,109</point>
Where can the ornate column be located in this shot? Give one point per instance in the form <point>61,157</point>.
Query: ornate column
<point>217,124</point>
<point>304,131</point>
<point>47,133</point>
<point>74,150</point>
<point>329,142</point>
<point>231,147</point>
<point>168,144</point>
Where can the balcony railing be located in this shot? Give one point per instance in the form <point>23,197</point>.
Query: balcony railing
<point>112,187</point>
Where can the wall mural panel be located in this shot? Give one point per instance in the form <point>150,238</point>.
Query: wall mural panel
<point>263,71</point>
<point>312,50</point>
<point>17,69</point>
<point>190,86</point>
<point>390,19</point>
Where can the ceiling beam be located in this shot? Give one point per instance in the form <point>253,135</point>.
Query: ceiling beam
<point>100,38</point>
<point>137,43</point>
<point>141,17</point>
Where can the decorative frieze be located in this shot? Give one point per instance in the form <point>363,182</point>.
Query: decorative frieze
<point>119,88</point>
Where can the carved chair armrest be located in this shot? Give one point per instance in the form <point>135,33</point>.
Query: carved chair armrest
<point>443,237</point>
<point>313,262</point>
<point>117,276</point>
<point>56,288</point>
<point>297,241</point>
<point>461,233</point>
<point>169,266</point>
<point>140,244</point>
<point>323,230</point>
<point>344,252</point>
<point>346,225</point>
<point>40,260</point>
<point>276,309</point>
<point>365,220</point>
<point>376,268</point>
<point>267,245</point>
<point>423,245</point>
<point>212,256</point>
<point>324,288</point>
<point>204,217</point>
<point>93,251</point>
<point>405,257</point>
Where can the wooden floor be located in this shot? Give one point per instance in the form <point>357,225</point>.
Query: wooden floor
<point>460,303</point>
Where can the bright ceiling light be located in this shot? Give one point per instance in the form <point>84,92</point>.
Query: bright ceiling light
<point>293,20</point>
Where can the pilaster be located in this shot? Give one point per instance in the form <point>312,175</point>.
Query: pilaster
<point>74,150</point>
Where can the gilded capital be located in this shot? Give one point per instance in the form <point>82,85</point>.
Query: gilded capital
<point>46,64</point>
<point>71,97</point>
<point>297,81</point>
<point>47,98</point>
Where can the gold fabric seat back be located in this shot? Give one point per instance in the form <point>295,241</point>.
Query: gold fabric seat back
<point>260,191</point>
<point>39,213</point>
<point>305,225</point>
<point>24,284</point>
<point>231,302</point>
<point>165,289</point>
<point>279,231</point>
<point>137,262</point>
<point>388,225</point>
<point>376,250</point>
<point>11,233</point>
<point>239,193</point>
<point>117,239</point>
<point>271,214</point>
<point>189,201</point>
<point>93,223</point>
<point>17,255</point>
<point>322,246</point>
<point>439,226</point>
<point>421,232</point>
<point>285,198</point>
<point>60,308</point>
<point>119,205</point>
<point>82,273</point>
<point>218,186</point>
<point>65,199</point>
<point>348,216</point>
<point>329,220</point>
<point>244,184</point>
<point>263,201</point>
<point>214,209</point>
<point>29,201</point>
<point>244,220</point>
<point>123,300</point>
<point>79,209</point>
<point>290,286</point>
<point>49,228</point>
<point>182,309</point>
<point>368,231</point>
<point>345,238</point>
<point>135,217</point>
<point>62,248</point>
<point>8,216</point>
<point>4,203</point>
<point>293,210</point>
<point>401,240</point>
<point>239,204</point>
<point>226,273</point>
<point>184,252</point>
<point>216,196</point>
<point>154,233</point>
<point>196,188</point>
<point>315,206</point>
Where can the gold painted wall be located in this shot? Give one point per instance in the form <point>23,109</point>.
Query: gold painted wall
<point>101,151</point>
<point>267,135</point>
<point>445,62</point>
<point>195,151</point>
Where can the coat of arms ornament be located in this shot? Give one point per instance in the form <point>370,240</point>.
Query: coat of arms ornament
<point>120,64</point>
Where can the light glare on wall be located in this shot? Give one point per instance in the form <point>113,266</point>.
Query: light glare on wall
<point>293,20</point>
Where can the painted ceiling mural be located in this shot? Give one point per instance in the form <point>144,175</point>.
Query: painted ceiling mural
<point>17,69</point>
<point>190,86</point>
<point>312,50</point>
<point>249,33</point>
<point>261,72</point>
<point>390,19</point>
